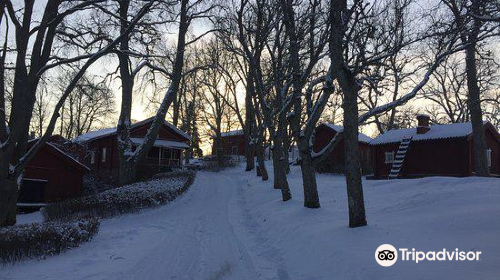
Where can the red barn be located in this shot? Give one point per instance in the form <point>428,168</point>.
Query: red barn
<point>233,143</point>
<point>51,175</point>
<point>437,150</point>
<point>335,162</point>
<point>165,154</point>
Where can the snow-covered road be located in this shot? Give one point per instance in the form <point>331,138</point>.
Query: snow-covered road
<point>192,238</point>
<point>230,225</point>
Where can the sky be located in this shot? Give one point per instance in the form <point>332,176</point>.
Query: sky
<point>140,109</point>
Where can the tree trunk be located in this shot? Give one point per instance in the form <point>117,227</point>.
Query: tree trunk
<point>261,159</point>
<point>127,173</point>
<point>352,162</point>
<point>350,89</point>
<point>220,150</point>
<point>127,169</point>
<point>476,115</point>
<point>8,201</point>
<point>280,167</point>
<point>311,197</point>
<point>286,154</point>
<point>249,125</point>
<point>277,165</point>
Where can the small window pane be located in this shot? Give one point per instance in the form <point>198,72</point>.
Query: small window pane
<point>389,157</point>
<point>104,151</point>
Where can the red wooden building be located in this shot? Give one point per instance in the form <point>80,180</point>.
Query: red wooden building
<point>165,154</point>
<point>437,150</point>
<point>51,175</point>
<point>233,143</point>
<point>335,162</point>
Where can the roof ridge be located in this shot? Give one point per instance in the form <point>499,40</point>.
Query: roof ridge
<point>112,130</point>
<point>436,131</point>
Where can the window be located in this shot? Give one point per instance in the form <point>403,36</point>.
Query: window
<point>92,157</point>
<point>104,150</point>
<point>488,157</point>
<point>167,153</point>
<point>389,157</point>
<point>234,150</point>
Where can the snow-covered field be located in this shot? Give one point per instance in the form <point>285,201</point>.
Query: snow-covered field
<point>230,225</point>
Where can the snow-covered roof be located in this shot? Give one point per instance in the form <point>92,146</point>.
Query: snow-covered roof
<point>109,131</point>
<point>68,156</point>
<point>441,131</point>
<point>232,133</point>
<point>95,134</point>
<point>163,143</point>
<point>361,137</point>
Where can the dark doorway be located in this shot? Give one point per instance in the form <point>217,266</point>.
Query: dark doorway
<point>32,191</point>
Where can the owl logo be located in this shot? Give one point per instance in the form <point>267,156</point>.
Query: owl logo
<point>386,255</point>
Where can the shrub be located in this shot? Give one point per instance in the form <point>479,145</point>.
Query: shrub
<point>93,185</point>
<point>210,163</point>
<point>39,240</point>
<point>160,190</point>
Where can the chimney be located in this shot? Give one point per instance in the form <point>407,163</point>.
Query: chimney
<point>423,123</point>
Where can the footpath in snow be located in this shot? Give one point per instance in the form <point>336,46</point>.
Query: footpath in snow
<point>230,225</point>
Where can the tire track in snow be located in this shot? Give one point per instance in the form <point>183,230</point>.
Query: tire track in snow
<point>192,238</point>
<point>271,263</point>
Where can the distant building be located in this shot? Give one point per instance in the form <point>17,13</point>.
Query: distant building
<point>233,143</point>
<point>335,161</point>
<point>431,150</point>
<point>165,154</point>
<point>51,175</point>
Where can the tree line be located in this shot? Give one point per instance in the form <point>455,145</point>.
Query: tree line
<point>275,69</point>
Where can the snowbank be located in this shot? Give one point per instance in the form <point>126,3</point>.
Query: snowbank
<point>125,199</point>
<point>427,214</point>
<point>29,218</point>
<point>231,225</point>
<point>38,240</point>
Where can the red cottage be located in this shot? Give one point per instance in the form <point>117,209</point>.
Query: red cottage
<point>165,154</point>
<point>233,143</point>
<point>437,150</point>
<point>51,175</point>
<point>335,162</point>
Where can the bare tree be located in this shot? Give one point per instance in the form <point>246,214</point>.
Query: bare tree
<point>88,107</point>
<point>35,54</point>
<point>315,34</point>
<point>41,109</point>
<point>129,158</point>
<point>471,31</point>
<point>215,98</point>
<point>448,93</point>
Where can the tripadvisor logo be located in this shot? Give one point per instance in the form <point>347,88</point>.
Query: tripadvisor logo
<point>387,255</point>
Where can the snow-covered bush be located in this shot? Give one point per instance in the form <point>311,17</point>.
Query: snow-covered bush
<point>92,185</point>
<point>210,163</point>
<point>160,190</point>
<point>39,240</point>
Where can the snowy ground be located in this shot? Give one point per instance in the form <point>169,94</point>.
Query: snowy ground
<point>34,217</point>
<point>230,225</point>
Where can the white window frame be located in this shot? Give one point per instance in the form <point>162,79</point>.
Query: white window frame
<point>92,157</point>
<point>104,154</point>
<point>488,157</point>
<point>389,157</point>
